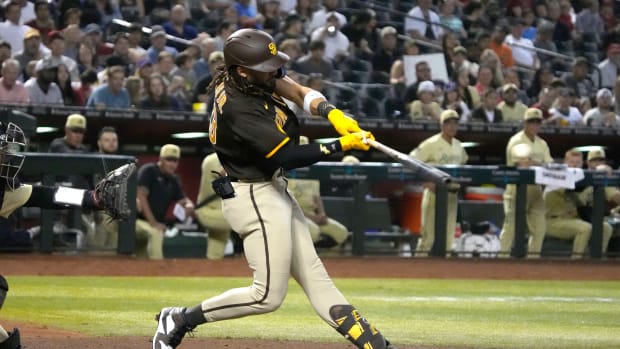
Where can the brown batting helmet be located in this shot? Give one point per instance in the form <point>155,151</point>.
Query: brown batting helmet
<point>253,49</point>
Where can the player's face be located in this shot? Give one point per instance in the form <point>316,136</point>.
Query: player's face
<point>108,143</point>
<point>532,127</point>
<point>266,81</point>
<point>595,162</point>
<point>168,165</point>
<point>449,127</point>
<point>573,161</point>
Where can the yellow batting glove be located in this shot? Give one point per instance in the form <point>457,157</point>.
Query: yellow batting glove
<point>342,123</point>
<point>356,140</point>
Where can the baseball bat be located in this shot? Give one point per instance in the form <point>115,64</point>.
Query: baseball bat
<point>421,169</point>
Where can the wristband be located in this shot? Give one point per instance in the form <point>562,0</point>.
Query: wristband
<point>324,108</point>
<point>309,97</point>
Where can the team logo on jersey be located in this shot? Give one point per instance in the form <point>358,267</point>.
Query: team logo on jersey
<point>272,48</point>
<point>281,117</point>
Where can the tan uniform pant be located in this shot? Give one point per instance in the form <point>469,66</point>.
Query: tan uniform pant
<point>332,228</point>
<point>577,230</point>
<point>535,218</point>
<point>425,243</point>
<point>149,241</point>
<point>106,231</point>
<point>212,218</point>
<point>277,245</point>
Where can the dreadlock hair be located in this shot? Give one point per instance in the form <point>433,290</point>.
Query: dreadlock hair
<point>231,78</point>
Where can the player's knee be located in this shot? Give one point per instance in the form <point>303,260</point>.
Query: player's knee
<point>268,300</point>
<point>13,342</point>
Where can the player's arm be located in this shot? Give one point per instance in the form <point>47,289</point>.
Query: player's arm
<point>143,194</point>
<point>315,103</point>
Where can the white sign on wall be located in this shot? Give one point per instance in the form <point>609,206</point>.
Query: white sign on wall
<point>436,62</point>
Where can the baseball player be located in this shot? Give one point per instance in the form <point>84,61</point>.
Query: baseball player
<point>8,340</point>
<point>440,149</point>
<point>563,221</point>
<point>109,194</point>
<point>256,138</point>
<point>539,154</point>
<point>209,208</point>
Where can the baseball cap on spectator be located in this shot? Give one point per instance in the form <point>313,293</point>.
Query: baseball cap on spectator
<point>32,33</point>
<point>45,63</point>
<point>170,151</point>
<point>216,56</point>
<point>157,31</point>
<point>342,20</point>
<point>508,87</point>
<point>449,114</point>
<point>450,87</point>
<point>76,122</point>
<point>55,34</point>
<point>459,49</point>
<point>388,30</point>
<point>581,60</point>
<point>533,114</point>
<point>92,29</point>
<point>604,92</point>
<point>596,154</point>
<point>426,86</point>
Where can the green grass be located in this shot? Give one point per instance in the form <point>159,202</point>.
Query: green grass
<point>468,313</point>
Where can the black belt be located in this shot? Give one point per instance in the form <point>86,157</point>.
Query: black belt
<point>249,180</point>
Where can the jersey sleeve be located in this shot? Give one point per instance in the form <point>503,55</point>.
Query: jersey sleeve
<point>146,177</point>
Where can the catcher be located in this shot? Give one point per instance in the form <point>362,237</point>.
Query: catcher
<point>109,195</point>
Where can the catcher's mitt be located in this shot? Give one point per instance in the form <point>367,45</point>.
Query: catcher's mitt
<point>111,192</point>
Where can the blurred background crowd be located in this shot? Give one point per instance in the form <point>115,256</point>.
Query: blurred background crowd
<point>498,56</point>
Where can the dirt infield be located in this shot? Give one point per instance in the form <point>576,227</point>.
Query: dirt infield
<point>37,337</point>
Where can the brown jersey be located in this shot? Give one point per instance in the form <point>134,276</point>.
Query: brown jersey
<point>248,130</point>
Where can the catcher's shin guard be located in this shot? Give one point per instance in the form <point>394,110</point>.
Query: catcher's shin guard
<point>13,342</point>
<point>357,329</point>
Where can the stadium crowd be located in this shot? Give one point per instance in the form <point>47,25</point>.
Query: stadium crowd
<point>500,57</point>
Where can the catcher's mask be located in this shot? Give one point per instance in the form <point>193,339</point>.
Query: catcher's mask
<point>254,49</point>
<point>12,140</point>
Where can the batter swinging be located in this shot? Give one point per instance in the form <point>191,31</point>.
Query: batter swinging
<point>256,137</point>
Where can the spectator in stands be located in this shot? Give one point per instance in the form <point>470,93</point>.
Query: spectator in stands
<point>467,92</point>
<point>200,91</point>
<point>135,39</point>
<point>57,54</point>
<point>383,59</point>
<point>564,114</point>
<point>157,95</point>
<point>43,21</point>
<point>562,216</point>
<point>599,116</point>
<point>589,23</point>
<point>158,44</point>
<point>452,100</point>
<point>5,51</point>
<point>94,34</point>
<point>397,71</point>
<point>511,107</point>
<point>73,37</point>
<point>209,208</point>
<point>362,31</point>
<point>121,50</point>
<point>523,53</point>
<point>11,89</point>
<point>224,29</point>
<point>131,10</point>
<point>41,88</point>
<point>537,155</point>
<point>183,66</point>
<point>247,14</point>
<point>269,15</point>
<point>88,79</point>
<point>86,58</point>
<point>315,61</point>
<point>72,15</point>
<point>336,43</point>
<point>608,16</point>
<point>423,23</point>
<point>578,80</point>
<point>440,149</point>
<point>158,188</point>
<point>11,30</point>
<point>511,76</point>
<point>69,95</point>
<point>33,50</point>
<point>135,88</point>
<point>544,41</point>
<point>425,107</point>
<point>319,17</point>
<point>472,18</point>
<point>449,18</point>
<point>422,73</point>
<point>490,59</point>
<point>488,111</point>
<point>201,66</point>
<point>292,29</point>
<point>562,31</point>
<point>609,68</point>
<point>497,44</point>
<point>541,80</point>
<point>178,26</point>
<point>485,79</point>
<point>111,94</point>
<point>292,47</point>
<point>460,61</point>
